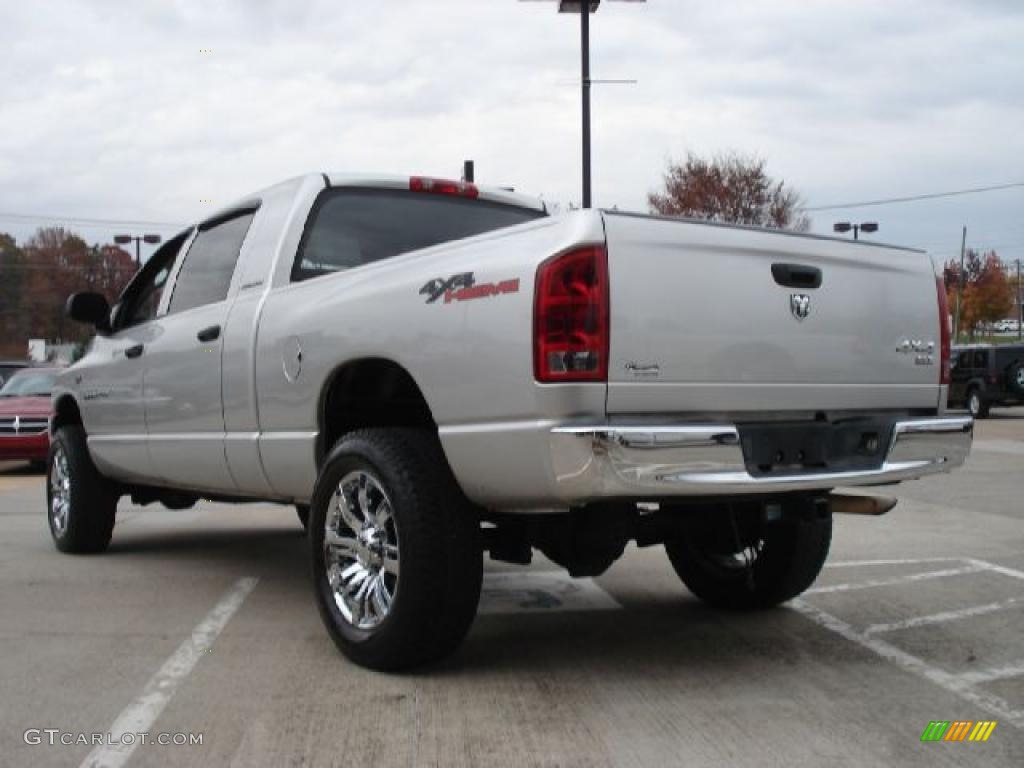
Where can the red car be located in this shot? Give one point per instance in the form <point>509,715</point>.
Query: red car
<point>24,415</point>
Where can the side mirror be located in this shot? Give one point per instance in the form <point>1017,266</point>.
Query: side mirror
<point>89,308</point>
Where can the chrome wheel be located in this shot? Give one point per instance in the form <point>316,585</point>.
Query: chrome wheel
<point>60,491</point>
<point>361,553</point>
<point>974,404</point>
<point>1020,378</point>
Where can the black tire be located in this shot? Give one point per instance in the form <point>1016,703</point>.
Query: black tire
<point>87,522</point>
<point>1015,379</point>
<point>436,533</point>
<point>977,405</point>
<point>302,512</point>
<point>786,557</point>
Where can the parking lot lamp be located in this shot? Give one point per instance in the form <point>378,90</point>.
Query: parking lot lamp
<point>148,239</point>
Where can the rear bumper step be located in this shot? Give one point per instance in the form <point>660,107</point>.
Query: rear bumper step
<point>611,461</point>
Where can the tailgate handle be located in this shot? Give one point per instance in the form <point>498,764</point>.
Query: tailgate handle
<point>796,276</point>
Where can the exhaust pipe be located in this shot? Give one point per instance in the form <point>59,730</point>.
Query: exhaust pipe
<point>860,505</point>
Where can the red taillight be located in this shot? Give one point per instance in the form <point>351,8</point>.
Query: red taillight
<point>570,317</point>
<point>945,329</point>
<point>443,187</point>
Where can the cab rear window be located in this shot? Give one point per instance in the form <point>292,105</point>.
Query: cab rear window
<point>352,227</point>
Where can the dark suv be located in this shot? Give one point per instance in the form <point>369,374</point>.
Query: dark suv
<point>985,375</point>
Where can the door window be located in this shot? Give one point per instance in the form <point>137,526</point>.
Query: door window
<point>205,276</point>
<point>141,298</point>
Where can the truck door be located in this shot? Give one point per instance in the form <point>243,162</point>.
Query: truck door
<point>110,376</point>
<point>182,373</point>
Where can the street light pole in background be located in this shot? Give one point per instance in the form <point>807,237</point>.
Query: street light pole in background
<point>584,8</point>
<point>1020,306</point>
<point>960,286</point>
<point>125,239</point>
<point>845,226</point>
<point>585,57</point>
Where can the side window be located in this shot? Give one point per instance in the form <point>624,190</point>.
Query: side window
<point>351,227</point>
<point>981,358</point>
<point>141,298</point>
<point>143,309</point>
<point>963,360</point>
<point>206,273</point>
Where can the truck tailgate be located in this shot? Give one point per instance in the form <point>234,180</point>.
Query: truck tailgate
<point>700,324</point>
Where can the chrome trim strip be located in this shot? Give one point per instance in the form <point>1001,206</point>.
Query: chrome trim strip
<point>706,459</point>
<point>288,435</point>
<point>172,436</point>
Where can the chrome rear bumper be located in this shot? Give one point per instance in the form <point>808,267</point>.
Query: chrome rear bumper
<point>606,461</point>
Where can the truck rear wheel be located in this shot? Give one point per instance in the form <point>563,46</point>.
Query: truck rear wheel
<point>80,502</point>
<point>753,565</point>
<point>396,554</point>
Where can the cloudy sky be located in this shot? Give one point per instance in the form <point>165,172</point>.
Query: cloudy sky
<point>114,110</point>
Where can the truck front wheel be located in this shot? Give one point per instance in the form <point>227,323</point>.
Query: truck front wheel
<point>750,564</point>
<point>396,554</point>
<point>80,502</point>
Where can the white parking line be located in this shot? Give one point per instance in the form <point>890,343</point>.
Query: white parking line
<point>987,566</point>
<point>956,684</point>
<point>139,716</point>
<point>974,567</point>
<point>917,561</point>
<point>939,618</point>
<point>996,673</point>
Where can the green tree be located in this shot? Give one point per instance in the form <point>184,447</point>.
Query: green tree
<point>729,188</point>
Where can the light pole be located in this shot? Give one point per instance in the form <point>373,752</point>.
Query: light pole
<point>845,226</point>
<point>1020,306</point>
<point>125,239</point>
<point>584,8</point>
<point>960,286</point>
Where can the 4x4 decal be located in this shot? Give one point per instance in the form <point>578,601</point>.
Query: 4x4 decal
<point>463,287</point>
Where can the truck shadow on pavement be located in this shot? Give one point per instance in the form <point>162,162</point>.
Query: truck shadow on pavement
<point>652,632</point>
<point>653,636</point>
<point>275,554</point>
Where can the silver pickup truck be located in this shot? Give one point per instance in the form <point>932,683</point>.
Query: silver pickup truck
<point>429,370</point>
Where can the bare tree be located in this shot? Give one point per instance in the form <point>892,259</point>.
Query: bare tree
<point>728,188</point>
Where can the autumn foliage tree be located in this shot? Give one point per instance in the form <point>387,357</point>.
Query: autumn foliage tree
<point>987,292</point>
<point>728,188</point>
<point>37,278</point>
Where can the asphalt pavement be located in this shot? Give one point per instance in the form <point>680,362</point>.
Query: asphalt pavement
<point>200,624</point>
